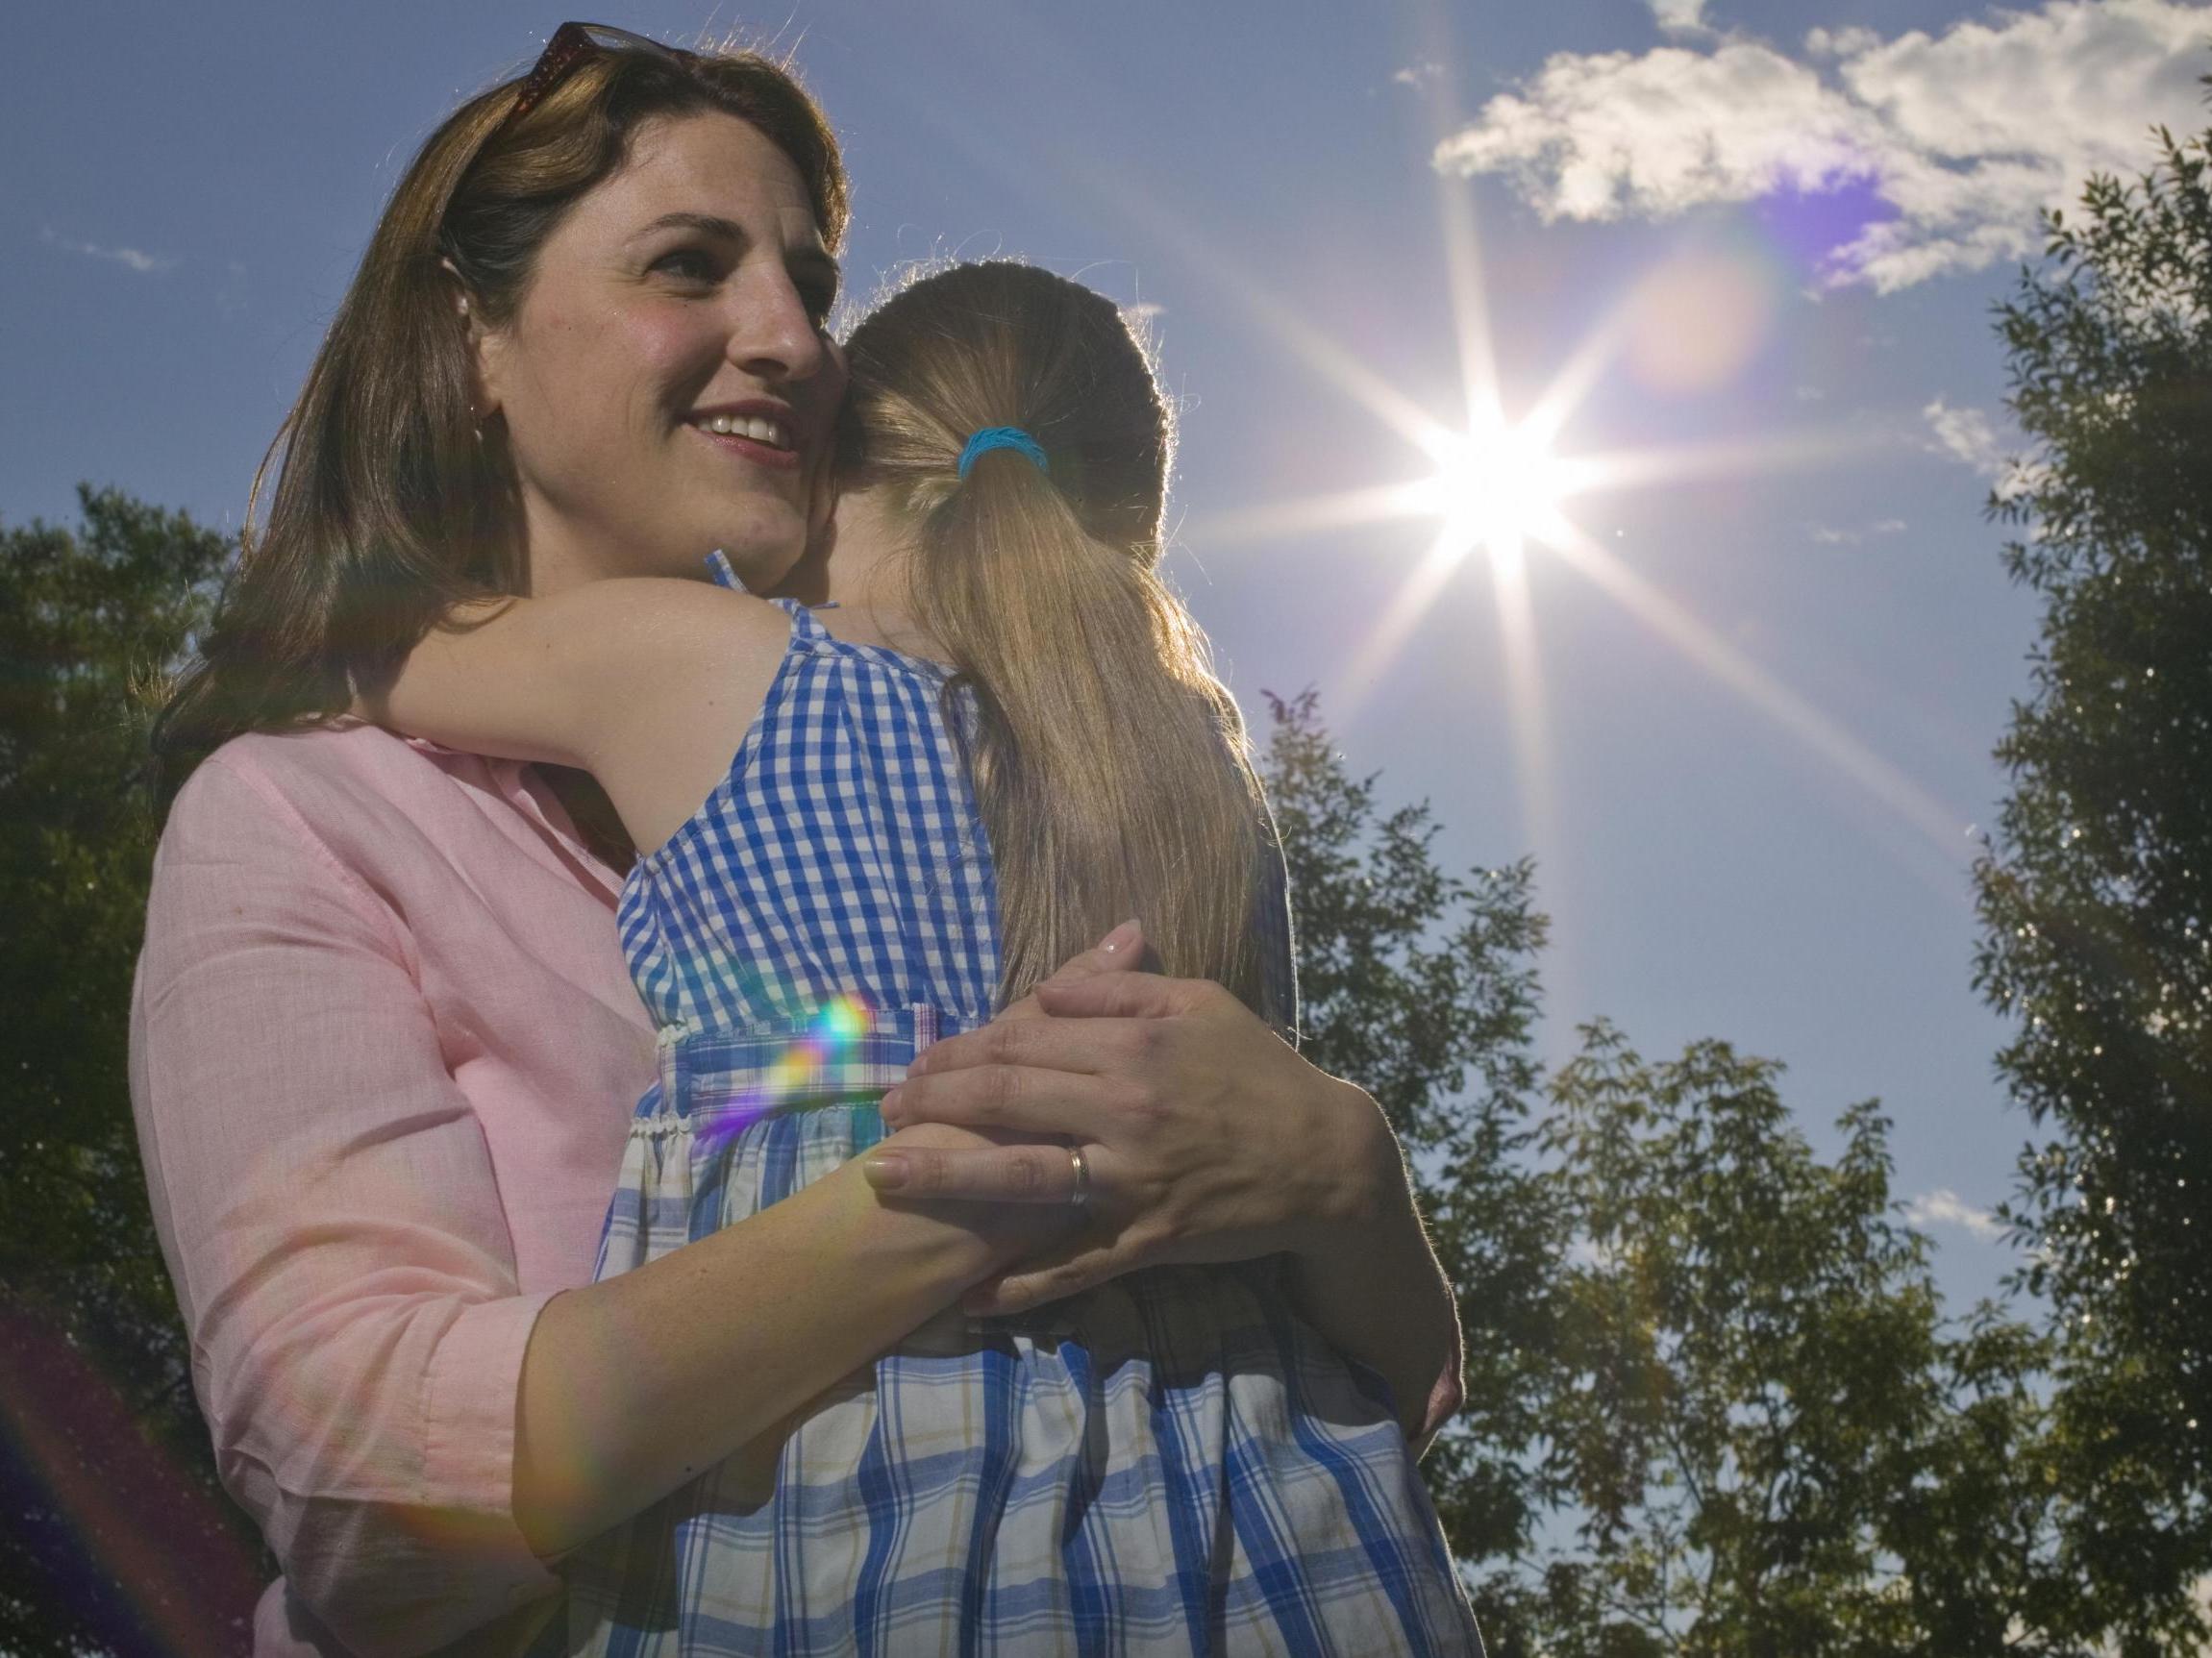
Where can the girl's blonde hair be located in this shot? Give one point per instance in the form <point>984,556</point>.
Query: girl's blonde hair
<point>1111,764</point>
<point>389,506</point>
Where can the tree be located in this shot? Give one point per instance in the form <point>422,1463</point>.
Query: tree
<point>2096,894</point>
<point>1714,1403</point>
<point>116,1536</point>
<point>1769,1437</point>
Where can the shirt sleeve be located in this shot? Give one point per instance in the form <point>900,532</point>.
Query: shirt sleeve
<point>328,1206</point>
<point>1277,945</point>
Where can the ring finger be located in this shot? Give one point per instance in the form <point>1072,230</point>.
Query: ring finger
<point>1048,1174</point>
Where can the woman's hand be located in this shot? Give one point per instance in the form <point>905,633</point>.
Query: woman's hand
<point>1206,1137</point>
<point>1011,1230</point>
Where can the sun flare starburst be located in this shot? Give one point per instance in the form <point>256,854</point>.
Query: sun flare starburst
<point>1693,322</point>
<point>1496,488</point>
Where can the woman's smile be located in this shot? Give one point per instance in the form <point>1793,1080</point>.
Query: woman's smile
<point>760,432</point>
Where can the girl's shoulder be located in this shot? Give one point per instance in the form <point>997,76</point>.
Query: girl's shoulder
<point>647,616</point>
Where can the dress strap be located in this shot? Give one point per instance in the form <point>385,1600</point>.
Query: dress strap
<point>803,622</point>
<point>806,628</point>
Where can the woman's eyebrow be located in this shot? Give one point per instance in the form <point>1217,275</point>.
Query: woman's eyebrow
<point>817,260</point>
<point>706,223</point>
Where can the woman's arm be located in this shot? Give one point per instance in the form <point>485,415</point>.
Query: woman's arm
<point>667,1370</point>
<point>1209,1139</point>
<point>1377,1290</point>
<point>333,1219</point>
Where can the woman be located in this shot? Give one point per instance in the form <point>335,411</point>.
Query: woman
<point>382,1039</point>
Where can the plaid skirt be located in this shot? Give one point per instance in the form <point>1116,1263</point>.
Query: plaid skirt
<point>1173,1463</point>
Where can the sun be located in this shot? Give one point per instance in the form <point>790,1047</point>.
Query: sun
<point>1496,488</point>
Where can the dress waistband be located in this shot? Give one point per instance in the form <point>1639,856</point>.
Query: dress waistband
<point>843,1053</point>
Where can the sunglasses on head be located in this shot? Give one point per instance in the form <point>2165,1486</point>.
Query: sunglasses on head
<point>575,44</point>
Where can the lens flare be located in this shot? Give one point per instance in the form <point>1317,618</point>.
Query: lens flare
<point>1701,319</point>
<point>162,1567</point>
<point>829,1038</point>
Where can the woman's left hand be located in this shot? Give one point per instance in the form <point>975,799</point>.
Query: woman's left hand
<point>1206,1137</point>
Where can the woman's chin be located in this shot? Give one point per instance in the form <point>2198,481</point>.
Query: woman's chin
<point>761,540</point>
<point>761,554</point>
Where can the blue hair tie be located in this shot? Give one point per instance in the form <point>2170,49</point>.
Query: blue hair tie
<point>992,437</point>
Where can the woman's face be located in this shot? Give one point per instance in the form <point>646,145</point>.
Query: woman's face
<point>686,293</point>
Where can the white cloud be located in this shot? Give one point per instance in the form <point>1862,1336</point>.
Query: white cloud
<point>1965,435</point>
<point>1419,74</point>
<point>145,264</point>
<point>1679,17</point>
<point>1944,1207</point>
<point>1958,139</point>
<point>1840,535</point>
<point>1840,42</point>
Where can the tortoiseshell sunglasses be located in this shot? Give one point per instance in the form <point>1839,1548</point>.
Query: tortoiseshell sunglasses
<point>575,44</point>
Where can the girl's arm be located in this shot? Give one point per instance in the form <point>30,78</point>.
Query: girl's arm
<point>648,683</point>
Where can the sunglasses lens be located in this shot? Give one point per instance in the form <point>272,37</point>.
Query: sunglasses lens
<point>571,44</point>
<point>609,38</point>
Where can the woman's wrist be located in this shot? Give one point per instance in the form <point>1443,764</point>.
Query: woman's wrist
<point>1380,1294</point>
<point>1360,1169</point>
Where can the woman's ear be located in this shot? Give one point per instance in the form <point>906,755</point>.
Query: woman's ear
<point>481,345</point>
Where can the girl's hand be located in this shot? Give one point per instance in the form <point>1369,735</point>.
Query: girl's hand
<point>1208,1138</point>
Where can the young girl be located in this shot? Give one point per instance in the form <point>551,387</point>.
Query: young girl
<point>1001,739</point>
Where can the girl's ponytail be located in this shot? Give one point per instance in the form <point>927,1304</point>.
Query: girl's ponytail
<point>1111,764</point>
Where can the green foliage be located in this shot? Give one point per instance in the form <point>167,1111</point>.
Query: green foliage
<point>1714,1404</point>
<point>2096,897</point>
<point>95,1398</point>
<point>1772,1438</point>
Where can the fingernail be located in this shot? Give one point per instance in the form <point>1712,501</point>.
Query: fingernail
<point>889,1102</point>
<point>1120,939</point>
<point>887,1173</point>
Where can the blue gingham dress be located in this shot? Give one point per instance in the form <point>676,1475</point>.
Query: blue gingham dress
<point>1173,1463</point>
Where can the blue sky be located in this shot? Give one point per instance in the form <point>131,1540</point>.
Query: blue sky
<point>1743,719</point>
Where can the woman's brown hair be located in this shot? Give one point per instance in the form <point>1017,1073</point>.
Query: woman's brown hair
<point>1111,764</point>
<point>389,507</point>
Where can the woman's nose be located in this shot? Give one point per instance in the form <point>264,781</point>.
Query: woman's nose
<point>773,335</point>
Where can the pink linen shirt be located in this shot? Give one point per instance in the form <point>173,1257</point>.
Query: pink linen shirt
<point>383,1053</point>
